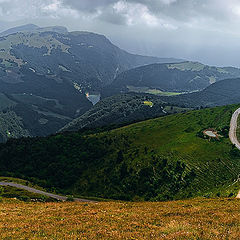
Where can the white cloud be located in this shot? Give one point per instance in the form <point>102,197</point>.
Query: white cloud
<point>137,13</point>
<point>16,10</point>
<point>168,1</point>
<point>55,9</point>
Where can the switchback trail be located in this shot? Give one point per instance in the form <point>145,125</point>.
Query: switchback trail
<point>233,132</point>
<point>33,190</point>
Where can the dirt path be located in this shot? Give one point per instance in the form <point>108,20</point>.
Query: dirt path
<point>233,132</point>
<point>33,190</point>
<point>233,129</point>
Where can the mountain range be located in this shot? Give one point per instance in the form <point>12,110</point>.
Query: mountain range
<point>51,78</point>
<point>46,74</point>
<point>76,100</point>
<point>177,77</point>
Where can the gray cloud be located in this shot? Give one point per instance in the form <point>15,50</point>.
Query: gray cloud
<point>182,10</point>
<point>204,30</point>
<point>88,5</point>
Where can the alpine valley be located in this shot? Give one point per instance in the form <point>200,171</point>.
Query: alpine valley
<point>49,77</point>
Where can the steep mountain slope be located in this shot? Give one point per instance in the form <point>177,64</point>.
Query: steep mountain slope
<point>164,158</point>
<point>45,74</point>
<point>88,60</point>
<point>130,107</point>
<point>11,126</point>
<point>123,109</point>
<point>220,93</point>
<point>43,104</point>
<point>179,77</point>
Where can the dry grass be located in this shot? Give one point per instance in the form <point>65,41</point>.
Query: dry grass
<point>190,219</point>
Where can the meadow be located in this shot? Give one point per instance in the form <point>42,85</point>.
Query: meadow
<point>188,219</point>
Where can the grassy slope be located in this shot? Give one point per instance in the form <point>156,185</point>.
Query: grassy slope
<point>174,137</point>
<point>190,219</point>
<point>23,195</point>
<point>157,159</point>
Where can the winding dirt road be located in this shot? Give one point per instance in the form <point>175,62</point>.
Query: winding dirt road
<point>33,190</point>
<point>233,129</point>
<point>233,132</point>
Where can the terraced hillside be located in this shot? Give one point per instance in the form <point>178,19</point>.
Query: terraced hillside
<point>160,159</point>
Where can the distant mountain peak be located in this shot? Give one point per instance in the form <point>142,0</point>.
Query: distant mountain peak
<point>23,28</point>
<point>34,28</point>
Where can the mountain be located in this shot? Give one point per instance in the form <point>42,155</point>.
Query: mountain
<point>177,77</point>
<point>122,110</point>
<point>33,28</point>
<point>46,74</point>
<point>88,60</point>
<point>133,107</point>
<point>23,28</point>
<point>220,93</point>
<point>159,159</point>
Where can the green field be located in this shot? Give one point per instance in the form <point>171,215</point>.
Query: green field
<point>148,103</point>
<point>153,91</point>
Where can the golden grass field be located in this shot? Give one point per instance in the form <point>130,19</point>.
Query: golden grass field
<point>189,219</point>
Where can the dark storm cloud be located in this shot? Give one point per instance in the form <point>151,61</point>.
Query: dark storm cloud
<point>180,10</point>
<point>203,30</point>
<point>88,5</point>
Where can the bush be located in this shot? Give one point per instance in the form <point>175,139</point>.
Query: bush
<point>24,198</point>
<point>70,199</point>
<point>230,195</point>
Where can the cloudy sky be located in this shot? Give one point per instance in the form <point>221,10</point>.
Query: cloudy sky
<point>200,30</point>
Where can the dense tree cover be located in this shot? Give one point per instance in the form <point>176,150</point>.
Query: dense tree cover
<point>11,126</point>
<point>73,162</point>
<point>122,109</point>
<point>157,159</point>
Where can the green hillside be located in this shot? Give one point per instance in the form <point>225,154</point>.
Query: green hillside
<point>160,159</point>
